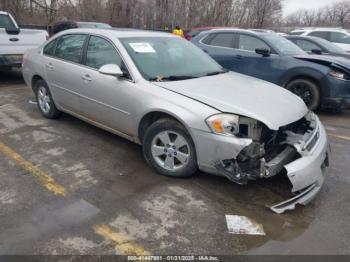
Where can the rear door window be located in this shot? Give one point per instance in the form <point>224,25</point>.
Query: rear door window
<point>49,49</point>
<point>70,47</point>
<point>7,23</point>
<point>101,52</point>
<point>220,39</point>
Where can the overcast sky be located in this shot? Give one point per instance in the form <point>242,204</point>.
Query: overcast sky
<point>293,5</point>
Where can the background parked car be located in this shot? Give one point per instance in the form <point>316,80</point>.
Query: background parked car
<point>319,81</point>
<point>65,25</point>
<point>14,42</point>
<point>318,46</point>
<point>338,36</point>
<point>193,32</point>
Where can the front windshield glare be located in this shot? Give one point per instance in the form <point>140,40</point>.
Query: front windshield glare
<point>283,45</point>
<point>169,58</point>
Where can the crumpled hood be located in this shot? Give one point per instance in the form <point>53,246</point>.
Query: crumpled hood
<point>243,95</point>
<point>332,61</point>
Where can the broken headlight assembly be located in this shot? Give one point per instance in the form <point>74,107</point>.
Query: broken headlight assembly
<point>339,75</point>
<point>234,125</point>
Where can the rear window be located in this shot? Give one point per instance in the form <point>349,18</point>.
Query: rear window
<point>7,23</point>
<point>49,49</point>
<point>69,47</point>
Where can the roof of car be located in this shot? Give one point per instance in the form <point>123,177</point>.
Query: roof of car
<point>251,31</point>
<point>3,13</point>
<point>302,37</point>
<point>119,33</point>
<point>307,29</point>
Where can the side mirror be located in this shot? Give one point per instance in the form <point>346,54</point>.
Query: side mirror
<point>111,70</point>
<point>316,51</point>
<point>263,51</point>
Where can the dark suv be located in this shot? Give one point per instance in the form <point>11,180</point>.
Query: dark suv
<point>319,80</point>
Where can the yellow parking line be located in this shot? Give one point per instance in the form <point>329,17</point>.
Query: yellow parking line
<point>44,179</point>
<point>122,244</point>
<point>340,137</point>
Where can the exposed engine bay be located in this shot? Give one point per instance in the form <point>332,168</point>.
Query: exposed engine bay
<point>270,150</point>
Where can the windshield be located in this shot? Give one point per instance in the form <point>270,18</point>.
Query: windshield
<point>329,46</point>
<point>7,23</point>
<point>94,25</point>
<point>169,58</point>
<point>282,45</point>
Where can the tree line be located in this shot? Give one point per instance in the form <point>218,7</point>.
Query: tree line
<point>165,14</point>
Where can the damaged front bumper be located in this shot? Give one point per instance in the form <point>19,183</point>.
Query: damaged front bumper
<point>306,172</point>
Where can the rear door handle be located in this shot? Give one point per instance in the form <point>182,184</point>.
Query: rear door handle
<point>206,51</point>
<point>86,78</point>
<point>238,56</point>
<point>49,66</point>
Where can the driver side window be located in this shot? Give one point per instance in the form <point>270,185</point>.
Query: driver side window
<point>251,43</point>
<point>307,45</point>
<point>101,52</point>
<point>340,38</point>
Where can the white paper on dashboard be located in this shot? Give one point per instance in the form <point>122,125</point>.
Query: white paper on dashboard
<point>142,48</point>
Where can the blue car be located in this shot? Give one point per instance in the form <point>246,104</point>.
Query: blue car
<point>321,81</point>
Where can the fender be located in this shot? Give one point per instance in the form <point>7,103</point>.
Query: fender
<point>301,72</point>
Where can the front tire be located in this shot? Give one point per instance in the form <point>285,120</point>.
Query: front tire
<point>306,90</point>
<point>45,101</point>
<point>169,150</point>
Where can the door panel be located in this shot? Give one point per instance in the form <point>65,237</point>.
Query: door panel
<point>63,71</point>
<point>250,63</point>
<point>105,99</point>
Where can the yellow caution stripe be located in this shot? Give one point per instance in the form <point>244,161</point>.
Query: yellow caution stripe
<point>122,244</point>
<point>40,175</point>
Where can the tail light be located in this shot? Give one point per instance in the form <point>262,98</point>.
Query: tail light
<point>24,59</point>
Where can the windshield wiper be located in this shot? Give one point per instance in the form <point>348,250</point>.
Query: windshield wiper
<point>217,72</point>
<point>172,78</point>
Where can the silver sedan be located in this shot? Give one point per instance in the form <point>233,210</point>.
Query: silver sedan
<point>187,112</point>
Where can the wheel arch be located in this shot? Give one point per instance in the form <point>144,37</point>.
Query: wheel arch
<point>35,79</point>
<point>308,74</point>
<point>150,117</point>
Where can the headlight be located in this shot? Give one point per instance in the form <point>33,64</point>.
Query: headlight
<point>310,116</point>
<point>224,124</point>
<point>339,75</point>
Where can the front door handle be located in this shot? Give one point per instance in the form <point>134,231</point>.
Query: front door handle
<point>86,78</point>
<point>49,66</point>
<point>238,56</point>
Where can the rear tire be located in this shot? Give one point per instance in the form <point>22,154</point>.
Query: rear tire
<point>306,90</point>
<point>45,101</point>
<point>169,150</point>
